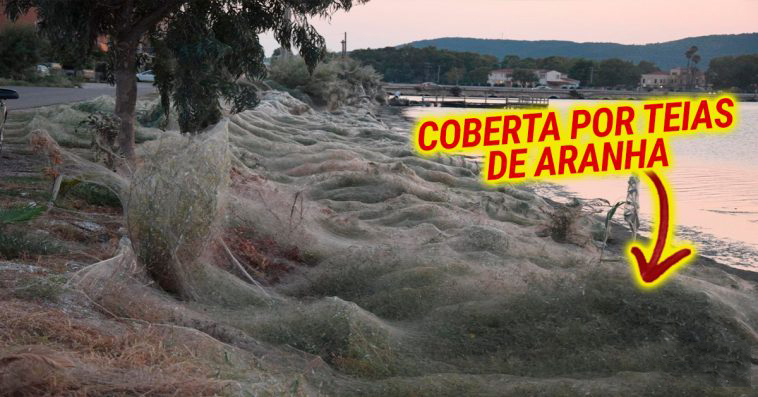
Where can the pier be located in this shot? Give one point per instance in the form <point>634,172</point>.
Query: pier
<point>491,93</point>
<point>520,102</point>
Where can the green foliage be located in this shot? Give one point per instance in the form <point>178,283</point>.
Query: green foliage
<point>561,64</point>
<point>204,47</point>
<point>455,75</point>
<point>647,67</point>
<point>734,72</point>
<point>609,73</point>
<point>291,72</point>
<point>524,77</point>
<point>666,54</point>
<point>21,49</point>
<point>417,65</point>
<point>617,73</point>
<point>20,214</point>
<point>583,70</point>
<point>332,84</point>
<point>94,195</point>
<point>216,47</point>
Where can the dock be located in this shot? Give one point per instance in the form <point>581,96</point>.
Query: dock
<point>520,102</point>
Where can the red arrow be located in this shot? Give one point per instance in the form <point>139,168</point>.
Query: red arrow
<point>653,270</point>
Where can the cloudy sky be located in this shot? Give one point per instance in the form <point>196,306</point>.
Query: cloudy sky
<point>381,23</point>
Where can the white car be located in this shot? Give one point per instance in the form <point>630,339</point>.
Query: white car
<point>147,76</point>
<point>43,70</point>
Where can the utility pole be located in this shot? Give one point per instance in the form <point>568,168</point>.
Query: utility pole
<point>438,74</point>
<point>344,46</point>
<point>592,74</point>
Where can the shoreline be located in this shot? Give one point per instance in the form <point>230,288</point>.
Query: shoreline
<point>376,272</point>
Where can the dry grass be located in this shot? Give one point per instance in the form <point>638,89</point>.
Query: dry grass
<point>46,352</point>
<point>263,257</point>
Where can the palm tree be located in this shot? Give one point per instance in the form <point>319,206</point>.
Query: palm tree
<point>691,55</point>
<point>695,60</point>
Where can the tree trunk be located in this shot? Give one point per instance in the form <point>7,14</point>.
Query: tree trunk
<point>125,74</point>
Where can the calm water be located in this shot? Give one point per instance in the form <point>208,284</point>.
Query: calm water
<point>715,182</point>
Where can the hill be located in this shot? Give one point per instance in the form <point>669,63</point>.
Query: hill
<point>666,55</point>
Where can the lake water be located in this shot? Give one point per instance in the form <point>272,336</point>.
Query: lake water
<point>715,183</point>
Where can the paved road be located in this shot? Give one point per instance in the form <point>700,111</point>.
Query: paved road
<point>32,97</point>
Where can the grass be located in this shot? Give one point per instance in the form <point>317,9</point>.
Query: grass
<point>40,288</point>
<point>94,194</point>
<point>597,324</point>
<point>66,356</point>
<point>19,244</point>
<point>20,214</point>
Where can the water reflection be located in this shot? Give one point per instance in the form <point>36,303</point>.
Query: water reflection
<point>715,184</point>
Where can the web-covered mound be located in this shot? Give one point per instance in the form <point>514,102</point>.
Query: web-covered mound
<point>401,274</point>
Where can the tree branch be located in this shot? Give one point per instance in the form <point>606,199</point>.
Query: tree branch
<point>149,20</point>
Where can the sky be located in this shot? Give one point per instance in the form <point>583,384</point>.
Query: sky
<point>382,23</point>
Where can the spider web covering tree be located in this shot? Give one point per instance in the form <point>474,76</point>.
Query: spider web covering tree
<point>204,47</point>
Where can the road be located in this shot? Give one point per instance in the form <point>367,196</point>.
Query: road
<point>32,97</point>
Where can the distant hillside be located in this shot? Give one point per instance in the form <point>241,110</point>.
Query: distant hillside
<point>666,55</point>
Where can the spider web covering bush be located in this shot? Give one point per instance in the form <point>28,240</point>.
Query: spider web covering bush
<point>64,122</point>
<point>404,276</point>
<point>341,81</point>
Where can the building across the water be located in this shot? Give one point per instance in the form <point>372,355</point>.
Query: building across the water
<point>546,78</point>
<point>675,79</point>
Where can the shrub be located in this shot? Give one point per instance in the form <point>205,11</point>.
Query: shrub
<point>338,82</point>
<point>95,195</point>
<point>291,72</point>
<point>21,48</point>
<point>16,244</point>
<point>104,129</point>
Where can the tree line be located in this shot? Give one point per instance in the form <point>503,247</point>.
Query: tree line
<point>734,73</point>
<point>416,65</point>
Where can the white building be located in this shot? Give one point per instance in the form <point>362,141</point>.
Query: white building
<point>547,78</point>
<point>556,79</point>
<point>500,77</point>
<point>656,80</point>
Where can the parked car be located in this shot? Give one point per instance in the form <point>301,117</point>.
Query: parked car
<point>43,70</point>
<point>541,87</point>
<point>147,76</point>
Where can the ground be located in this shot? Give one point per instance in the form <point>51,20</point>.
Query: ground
<point>383,274</point>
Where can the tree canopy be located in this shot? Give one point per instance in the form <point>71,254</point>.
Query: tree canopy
<point>417,65</point>
<point>21,49</point>
<point>739,73</point>
<point>524,77</point>
<point>202,47</point>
